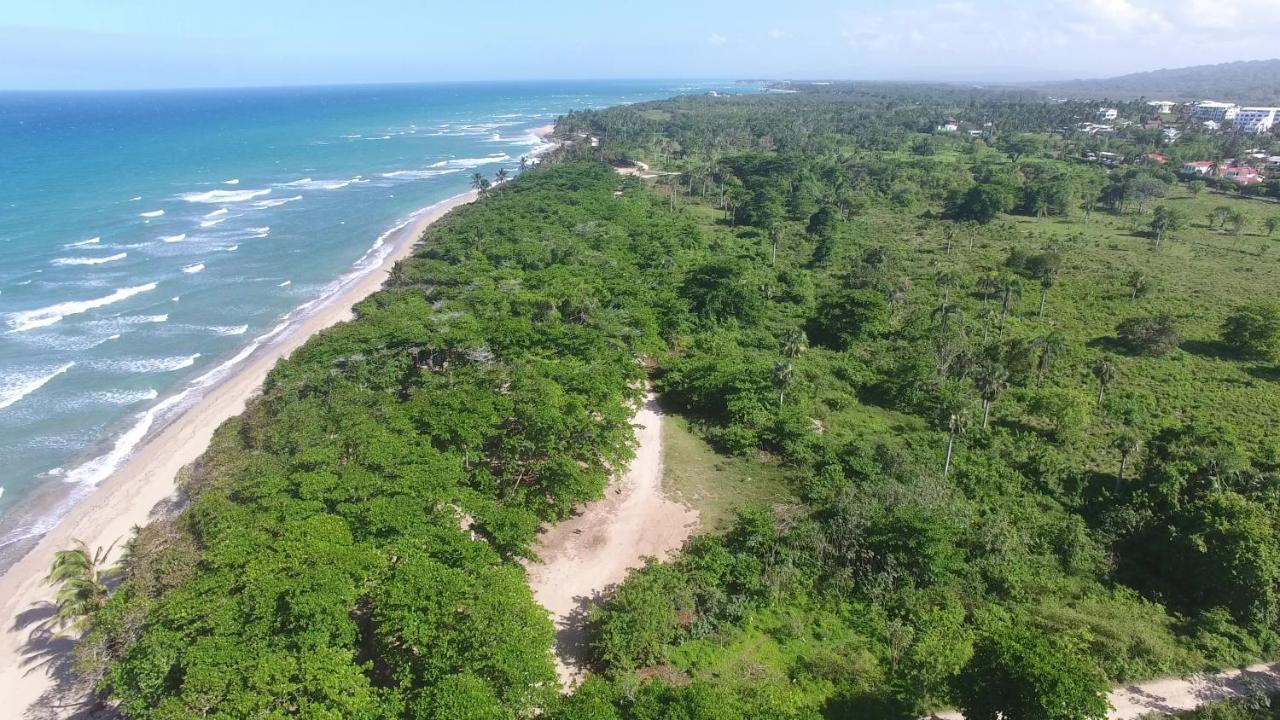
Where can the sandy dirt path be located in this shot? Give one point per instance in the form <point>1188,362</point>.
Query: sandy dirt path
<point>1169,696</point>
<point>585,555</point>
<point>34,660</point>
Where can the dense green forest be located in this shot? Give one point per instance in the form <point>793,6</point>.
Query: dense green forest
<point>1024,407</point>
<point>1255,82</point>
<point>1031,444</point>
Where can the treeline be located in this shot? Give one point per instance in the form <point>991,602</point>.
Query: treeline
<point>350,548</point>
<point>1015,485</point>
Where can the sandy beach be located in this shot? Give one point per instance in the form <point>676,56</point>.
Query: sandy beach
<point>31,660</point>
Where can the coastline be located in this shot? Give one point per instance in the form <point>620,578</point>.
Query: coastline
<point>128,497</point>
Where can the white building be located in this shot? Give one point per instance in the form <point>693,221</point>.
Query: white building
<point>1162,106</point>
<point>1171,134</point>
<point>1213,110</point>
<point>1105,114</point>
<point>1256,120</point>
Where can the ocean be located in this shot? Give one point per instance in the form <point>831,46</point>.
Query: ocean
<point>149,241</point>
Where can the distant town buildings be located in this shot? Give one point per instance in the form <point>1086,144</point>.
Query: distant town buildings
<point>1198,167</point>
<point>1256,120</point>
<point>1106,114</point>
<point>1219,112</point>
<point>1162,106</point>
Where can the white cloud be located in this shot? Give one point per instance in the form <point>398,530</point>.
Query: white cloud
<point>717,39</point>
<point>776,34</point>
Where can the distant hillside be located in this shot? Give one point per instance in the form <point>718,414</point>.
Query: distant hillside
<point>1254,81</point>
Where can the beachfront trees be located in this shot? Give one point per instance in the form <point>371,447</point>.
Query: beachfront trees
<point>501,176</point>
<point>1020,673</point>
<point>479,182</point>
<point>78,573</point>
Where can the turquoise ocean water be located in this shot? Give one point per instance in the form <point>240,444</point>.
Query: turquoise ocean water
<point>150,240</point>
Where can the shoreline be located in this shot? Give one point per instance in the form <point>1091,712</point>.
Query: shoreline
<point>147,480</point>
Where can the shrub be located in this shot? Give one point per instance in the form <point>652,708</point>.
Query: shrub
<point>1253,331</point>
<point>1154,335</point>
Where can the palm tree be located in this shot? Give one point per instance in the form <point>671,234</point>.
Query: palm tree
<point>783,374</point>
<point>1048,276</point>
<point>479,182</point>
<point>794,342</point>
<point>1137,283</point>
<point>1050,345</point>
<point>989,284</point>
<point>1105,371</point>
<point>954,415</point>
<point>501,176</point>
<point>992,379</point>
<point>524,163</point>
<point>1127,442</point>
<point>944,312</point>
<point>78,573</point>
<point>1010,293</point>
<point>947,279</point>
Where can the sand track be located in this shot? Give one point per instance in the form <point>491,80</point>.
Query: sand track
<point>586,555</point>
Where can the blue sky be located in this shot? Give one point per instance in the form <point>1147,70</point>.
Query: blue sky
<point>176,43</point>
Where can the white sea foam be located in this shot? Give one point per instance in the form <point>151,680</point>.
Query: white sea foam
<point>174,238</point>
<point>216,213</point>
<point>232,181</point>
<point>472,162</point>
<point>211,223</point>
<point>276,202</point>
<point>135,199</point>
<point>286,283</point>
<point>231,248</point>
<point>309,184</point>
<point>139,319</point>
<point>89,260</point>
<point>84,243</point>
<point>19,385</point>
<point>229,329</point>
<point>98,469</point>
<point>193,268</point>
<point>223,196</point>
<point>42,317</point>
<point>151,214</point>
<point>418,174</point>
<point>147,365</point>
<point>122,397</point>
<point>259,232</point>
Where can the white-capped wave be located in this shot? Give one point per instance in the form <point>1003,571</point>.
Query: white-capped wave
<point>135,198</point>
<point>139,319</point>
<point>232,181</point>
<point>151,214</point>
<point>223,196</point>
<point>309,184</point>
<point>19,385</point>
<point>216,213</point>
<point>286,283</point>
<point>98,469</point>
<point>89,260</point>
<point>229,329</point>
<point>211,223</point>
<point>122,397</point>
<point>174,238</point>
<point>42,317</point>
<point>259,232</point>
<point>84,243</point>
<point>276,202</point>
<point>419,174</point>
<point>147,365</point>
<point>472,162</point>
<point>193,268</point>
<point>231,248</point>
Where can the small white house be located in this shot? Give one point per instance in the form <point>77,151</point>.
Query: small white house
<point>1162,106</point>
<point>1106,114</point>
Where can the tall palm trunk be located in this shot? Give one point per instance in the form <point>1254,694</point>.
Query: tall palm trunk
<point>986,411</point>
<point>946,466</point>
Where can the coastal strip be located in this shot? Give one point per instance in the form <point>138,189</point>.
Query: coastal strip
<point>127,498</point>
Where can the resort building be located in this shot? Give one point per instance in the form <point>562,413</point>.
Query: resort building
<point>1198,167</point>
<point>1105,114</point>
<point>1256,120</point>
<point>1162,106</point>
<point>1213,110</point>
<point>1242,175</point>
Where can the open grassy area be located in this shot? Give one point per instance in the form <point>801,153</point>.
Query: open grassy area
<point>713,484</point>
